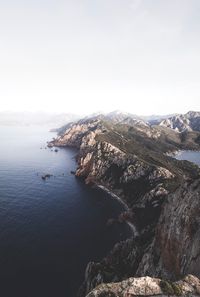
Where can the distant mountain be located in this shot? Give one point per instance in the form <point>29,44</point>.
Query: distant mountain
<point>115,116</point>
<point>118,116</point>
<point>60,122</point>
<point>176,122</point>
<point>156,119</point>
<point>36,118</point>
<point>183,122</point>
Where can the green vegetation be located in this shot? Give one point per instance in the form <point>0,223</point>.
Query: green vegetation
<point>170,288</point>
<point>177,289</point>
<point>152,150</point>
<point>166,287</point>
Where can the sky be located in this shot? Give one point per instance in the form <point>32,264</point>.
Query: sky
<point>82,56</point>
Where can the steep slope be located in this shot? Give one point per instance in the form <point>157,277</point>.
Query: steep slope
<point>162,195</point>
<point>175,250</point>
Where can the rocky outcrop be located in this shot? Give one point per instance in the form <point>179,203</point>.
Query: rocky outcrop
<point>74,134</point>
<point>148,286</point>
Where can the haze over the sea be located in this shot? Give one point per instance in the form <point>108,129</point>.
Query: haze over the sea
<point>80,56</point>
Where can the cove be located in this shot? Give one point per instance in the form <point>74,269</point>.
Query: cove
<point>192,156</point>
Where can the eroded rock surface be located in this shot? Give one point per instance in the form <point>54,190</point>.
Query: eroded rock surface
<point>148,286</point>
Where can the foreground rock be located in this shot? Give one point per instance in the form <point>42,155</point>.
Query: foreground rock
<point>147,286</point>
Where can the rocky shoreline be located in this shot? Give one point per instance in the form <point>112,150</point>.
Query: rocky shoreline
<point>131,225</point>
<point>103,188</point>
<point>155,189</point>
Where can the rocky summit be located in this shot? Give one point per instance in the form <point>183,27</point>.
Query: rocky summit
<point>130,159</point>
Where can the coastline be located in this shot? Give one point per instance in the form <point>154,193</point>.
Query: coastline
<point>103,188</point>
<point>178,152</point>
<point>131,225</point>
<point>113,195</point>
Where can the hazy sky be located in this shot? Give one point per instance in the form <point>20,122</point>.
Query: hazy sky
<point>141,56</point>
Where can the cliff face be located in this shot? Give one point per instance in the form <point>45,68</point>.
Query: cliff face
<point>75,133</point>
<point>167,244</point>
<point>162,195</point>
<point>175,250</point>
<point>183,233</point>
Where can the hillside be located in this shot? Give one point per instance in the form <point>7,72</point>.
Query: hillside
<point>161,194</point>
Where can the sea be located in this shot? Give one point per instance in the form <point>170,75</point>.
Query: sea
<point>192,156</point>
<point>49,229</point>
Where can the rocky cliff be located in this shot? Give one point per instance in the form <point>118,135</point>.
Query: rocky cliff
<point>162,197</point>
<point>183,122</point>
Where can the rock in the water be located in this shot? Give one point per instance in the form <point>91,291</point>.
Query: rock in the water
<point>45,176</point>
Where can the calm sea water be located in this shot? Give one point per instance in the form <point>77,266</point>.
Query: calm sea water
<point>190,156</point>
<point>49,230</point>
